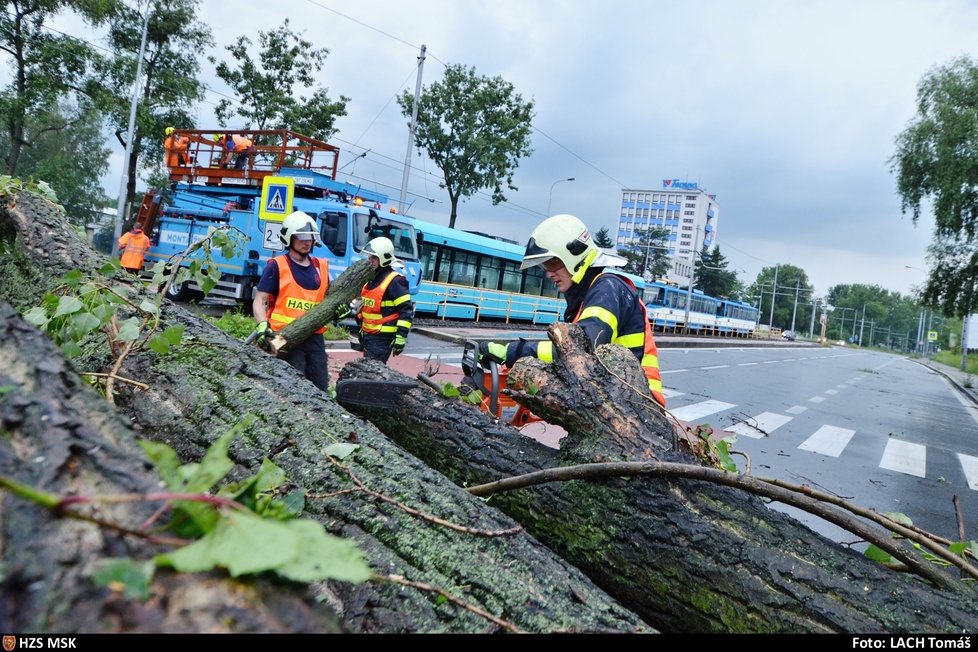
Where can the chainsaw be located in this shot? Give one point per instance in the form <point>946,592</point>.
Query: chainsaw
<point>488,380</point>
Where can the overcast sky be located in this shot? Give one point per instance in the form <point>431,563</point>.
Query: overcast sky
<point>787,111</point>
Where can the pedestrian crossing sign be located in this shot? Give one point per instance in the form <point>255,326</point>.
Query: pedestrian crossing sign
<point>276,198</point>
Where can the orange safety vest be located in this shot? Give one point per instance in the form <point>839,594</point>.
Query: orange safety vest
<point>176,148</point>
<point>371,314</point>
<point>240,143</point>
<point>293,300</point>
<point>650,354</point>
<point>134,247</point>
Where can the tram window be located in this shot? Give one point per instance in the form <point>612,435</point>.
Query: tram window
<point>489,276</point>
<point>428,263</point>
<point>511,276</point>
<point>463,269</point>
<point>534,281</point>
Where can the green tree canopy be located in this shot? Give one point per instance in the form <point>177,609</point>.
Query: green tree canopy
<point>603,239</point>
<point>649,257</point>
<point>793,299</point>
<point>475,129</point>
<point>269,92</point>
<point>936,159</point>
<point>886,317</point>
<point>712,276</point>
<point>170,86</point>
<point>46,66</point>
<point>70,154</point>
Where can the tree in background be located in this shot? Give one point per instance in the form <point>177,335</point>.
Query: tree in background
<point>793,290</point>
<point>712,276</point>
<point>72,161</point>
<point>873,312</point>
<point>603,239</point>
<point>268,91</point>
<point>45,66</point>
<point>649,256</point>
<point>475,129</point>
<point>936,159</point>
<point>170,84</point>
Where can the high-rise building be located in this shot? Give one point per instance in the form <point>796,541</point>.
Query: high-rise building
<point>689,213</point>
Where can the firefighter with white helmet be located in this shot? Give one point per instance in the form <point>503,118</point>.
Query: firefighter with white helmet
<point>384,310</point>
<point>604,304</point>
<point>291,285</point>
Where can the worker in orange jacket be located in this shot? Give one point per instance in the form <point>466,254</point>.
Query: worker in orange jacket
<point>132,249</point>
<point>176,146</point>
<point>243,147</point>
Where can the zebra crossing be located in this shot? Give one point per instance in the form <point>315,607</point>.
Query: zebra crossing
<point>901,456</point>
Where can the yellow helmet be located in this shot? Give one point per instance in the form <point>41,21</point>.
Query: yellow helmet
<point>168,131</point>
<point>218,137</point>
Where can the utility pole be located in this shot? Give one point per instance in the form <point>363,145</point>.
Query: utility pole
<point>692,275</point>
<point>120,213</point>
<point>795,309</point>
<point>862,325</point>
<point>811,326</point>
<point>774,296</point>
<point>411,130</point>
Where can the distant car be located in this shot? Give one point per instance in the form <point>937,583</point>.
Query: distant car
<point>788,335</point>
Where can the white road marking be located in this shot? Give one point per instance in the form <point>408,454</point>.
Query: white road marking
<point>670,393</point>
<point>746,364</point>
<point>757,427</point>
<point>828,440</point>
<point>831,391</point>
<point>796,409</point>
<point>719,366</point>
<point>969,465</point>
<point>700,410</point>
<point>672,371</point>
<point>905,457</point>
<point>816,399</point>
<point>771,361</point>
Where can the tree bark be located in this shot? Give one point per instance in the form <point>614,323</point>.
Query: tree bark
<point>688,556</point>
<point>207,385</point>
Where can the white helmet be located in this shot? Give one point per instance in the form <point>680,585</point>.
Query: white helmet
<point>298,223</point>
<point>563,237</point>
<point>383,248</point>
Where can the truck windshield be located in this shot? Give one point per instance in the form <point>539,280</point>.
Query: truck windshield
<point>367,226</point>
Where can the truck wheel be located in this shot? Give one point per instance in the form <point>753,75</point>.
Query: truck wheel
<point>183,292</point>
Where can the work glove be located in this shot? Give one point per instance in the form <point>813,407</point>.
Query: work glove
<point>343,312</point>
<point>264,332</point>
<point>398,344</point>
<point>492,351</point>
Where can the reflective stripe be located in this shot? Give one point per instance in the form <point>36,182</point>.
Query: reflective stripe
<point>604,315</point>
<point>545,351</point>
<point>633,341</point>
<point>371,314</point>
<point>401,299</point>
<point>403,324</point>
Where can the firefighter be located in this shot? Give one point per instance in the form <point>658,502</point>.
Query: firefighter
<point>132,249</point>
<point>176,146</point>
<point>385,309</point>
<point>604,304</point>
<point>291,285</point>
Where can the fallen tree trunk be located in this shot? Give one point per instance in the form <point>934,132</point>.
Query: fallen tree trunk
<point>402,515</point>
<point>689,556</point>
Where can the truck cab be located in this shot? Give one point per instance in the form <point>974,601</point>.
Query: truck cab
<point>289,172</point>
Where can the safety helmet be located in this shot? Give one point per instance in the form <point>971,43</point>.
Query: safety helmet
<point>218,137</point>
<point>168,130</point>
<point>563,237</point>
<point>298,223</point>
<point>383,248</point>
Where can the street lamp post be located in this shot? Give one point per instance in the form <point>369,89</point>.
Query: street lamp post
<point>550,200</point>
<point>692,275</point>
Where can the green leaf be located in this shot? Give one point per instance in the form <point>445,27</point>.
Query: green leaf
<point>244,543</point>
<point>900,517</point>
<point>473,398</point>
<point>37,317</point>
<point>104,312</point>
<point>173,334</point>
<point>294,502</point>
<point>158,344</point>
<point>167,464</point>
<point>128,330</point>
<point>216,463</point>
<point>67,305</point>
<point>149,306</point>
<point>269,477</point>
<point>722,449</point>
<point>322,556</point>
<point>876,553</point>
<point>341,450</point>
<point>109,269</point>
<point>130,577</point>
<point>72,278</point>
<point>958,547</point>
<point>71,349</point>
<point>83,323</point>
<point>449,390</point>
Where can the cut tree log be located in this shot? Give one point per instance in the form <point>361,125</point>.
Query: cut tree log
<point>430,574</point>
<point>688,555</point>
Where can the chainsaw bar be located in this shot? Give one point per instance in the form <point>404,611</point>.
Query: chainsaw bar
<point>371,393</point>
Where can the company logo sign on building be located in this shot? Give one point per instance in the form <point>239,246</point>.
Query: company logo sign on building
<point>679,185</point>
